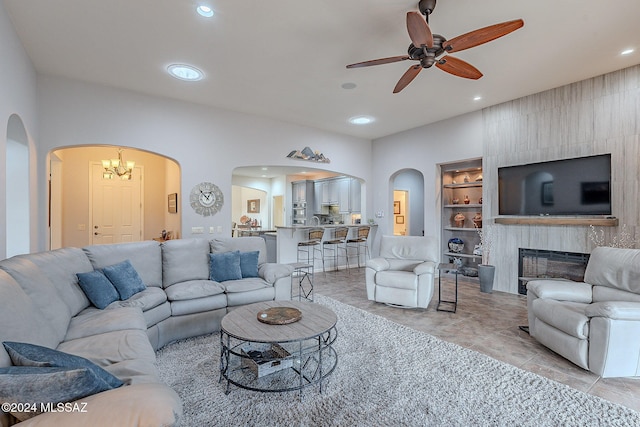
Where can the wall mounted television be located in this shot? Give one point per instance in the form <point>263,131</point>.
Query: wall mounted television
<point>576,186</point>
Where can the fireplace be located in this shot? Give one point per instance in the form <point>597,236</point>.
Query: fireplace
<point>541,264</point>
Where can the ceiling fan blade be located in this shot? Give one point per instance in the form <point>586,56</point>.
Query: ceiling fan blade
<point>481,36</point>
<point>378,61</point>
<point>458,67</point>
<point>419,30</point>
<point>407,78</point>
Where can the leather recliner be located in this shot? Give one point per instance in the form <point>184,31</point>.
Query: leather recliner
<point>596,323</point>
<point>403,274</point>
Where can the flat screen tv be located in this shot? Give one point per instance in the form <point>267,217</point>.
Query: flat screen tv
<point>577,186</point>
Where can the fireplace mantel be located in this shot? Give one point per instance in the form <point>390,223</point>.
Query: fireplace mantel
<point>556,220</point>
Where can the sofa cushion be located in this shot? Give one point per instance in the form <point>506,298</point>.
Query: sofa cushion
<point>61,266</point>
<point>125,278</point>
<point>22,384</point>
<point>93,322</point>
<point>193,289</point>
<point>184,260</point>
<point>249,263</point>
<point>21,320</point>
<point>42,292</point>
<point>271,272</point>
<point>25,354</point>
<point>225,266</point>
<point>198,305</point>
<point>246,244</point>
<point>98,288</point>
<point>146,258</point>
<point>146,405</point>
<point>235,299</point>
<point>145,300</point>
<point>245,285</point>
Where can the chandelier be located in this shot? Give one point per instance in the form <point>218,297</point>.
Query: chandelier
<point>118,167</point>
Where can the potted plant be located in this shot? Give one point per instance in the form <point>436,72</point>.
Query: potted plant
<point>486,271</point>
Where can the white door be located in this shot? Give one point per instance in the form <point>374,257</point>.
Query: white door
<point>116,207</point>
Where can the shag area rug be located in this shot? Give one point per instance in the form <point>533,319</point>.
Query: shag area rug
<point>387,375</point>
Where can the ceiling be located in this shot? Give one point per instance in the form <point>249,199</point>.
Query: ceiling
<point>285,59</point>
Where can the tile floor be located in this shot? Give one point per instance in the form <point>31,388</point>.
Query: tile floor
<point>487,323</point>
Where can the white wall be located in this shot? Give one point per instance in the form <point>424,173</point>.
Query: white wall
<point>422,149</point>
<point>18,96</point>
<point>207,142</point>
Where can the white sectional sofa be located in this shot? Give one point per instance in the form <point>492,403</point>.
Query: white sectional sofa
<point>596,323</point>
<point>42,303</point>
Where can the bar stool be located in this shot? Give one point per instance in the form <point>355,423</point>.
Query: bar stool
<point>335,244</point>
<point>307,248</point>
<point>360,241</point>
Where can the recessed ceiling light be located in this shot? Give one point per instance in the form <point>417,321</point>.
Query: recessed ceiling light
<point>349,85</point>
<point>185,72</point>
<point>205,11</point>
<point>627,52</point>
<point>361,120</point>
<point>265,169</point>
<point>477,98</point>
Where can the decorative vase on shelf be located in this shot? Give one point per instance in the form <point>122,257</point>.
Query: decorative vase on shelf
<point>486,274</point>
<point>458,220</point>
<point>477,220</point>
<point>466,200</point>
<point>455,201</point>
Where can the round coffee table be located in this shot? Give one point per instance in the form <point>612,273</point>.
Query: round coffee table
<point>274,358</point>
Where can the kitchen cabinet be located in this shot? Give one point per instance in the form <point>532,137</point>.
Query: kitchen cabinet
<point>355,195</point>
<point>301,211</point>
<point>319,188</point>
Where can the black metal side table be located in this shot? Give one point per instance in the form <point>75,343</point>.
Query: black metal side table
<point>444,268</point>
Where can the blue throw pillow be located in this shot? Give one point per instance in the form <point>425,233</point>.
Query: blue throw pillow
<point>98,288</point>
<point>46,385</point>
<point>125,278</point>
<point>24,354</point>
<point>225,266</point>
<point>249,263</point>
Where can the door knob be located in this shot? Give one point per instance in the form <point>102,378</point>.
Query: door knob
<point>96,233</point>
<point>95,226</point>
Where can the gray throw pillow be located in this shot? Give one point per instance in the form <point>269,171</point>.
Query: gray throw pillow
<point>24,354</point>
<point>249,263</point>
<point>125,278</point>
<point>98,288</point>
<point>34,389</point>
<point>225,266</point>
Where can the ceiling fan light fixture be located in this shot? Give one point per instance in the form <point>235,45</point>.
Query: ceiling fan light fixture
<point>185,72</point>
<point>361,120</point>
<point>205,11</point>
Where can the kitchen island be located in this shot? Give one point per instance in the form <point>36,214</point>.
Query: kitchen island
<point>288,238</point>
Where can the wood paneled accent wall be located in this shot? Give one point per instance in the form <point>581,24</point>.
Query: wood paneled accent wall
<point>595,116</point>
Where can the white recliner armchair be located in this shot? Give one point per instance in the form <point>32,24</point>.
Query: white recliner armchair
<point>596,323</point>
<point>403,274</point>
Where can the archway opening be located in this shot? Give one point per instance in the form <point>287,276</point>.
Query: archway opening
<point>407,191</point>
<point>17,193</point>
<point>81,206</point>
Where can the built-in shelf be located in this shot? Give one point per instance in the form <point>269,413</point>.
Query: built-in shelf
<point>461,229</point>
<point>549,220</point>
<point>462,205</point>
<point>454,254</point>
<point>464,185</point>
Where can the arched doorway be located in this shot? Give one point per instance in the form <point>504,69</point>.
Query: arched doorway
<point>76,175</point>
<point>17,193</point>
<point>407,190</point>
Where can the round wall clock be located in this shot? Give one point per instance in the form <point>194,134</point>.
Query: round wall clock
<point>206,199</point>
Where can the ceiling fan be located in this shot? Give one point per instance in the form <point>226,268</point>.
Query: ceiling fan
<point>428,48</point>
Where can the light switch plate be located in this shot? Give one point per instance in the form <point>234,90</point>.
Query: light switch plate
<point>211,229</point>
<point>197,230</point>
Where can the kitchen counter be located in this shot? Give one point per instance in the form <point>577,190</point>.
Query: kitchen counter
<point>289,236</point>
